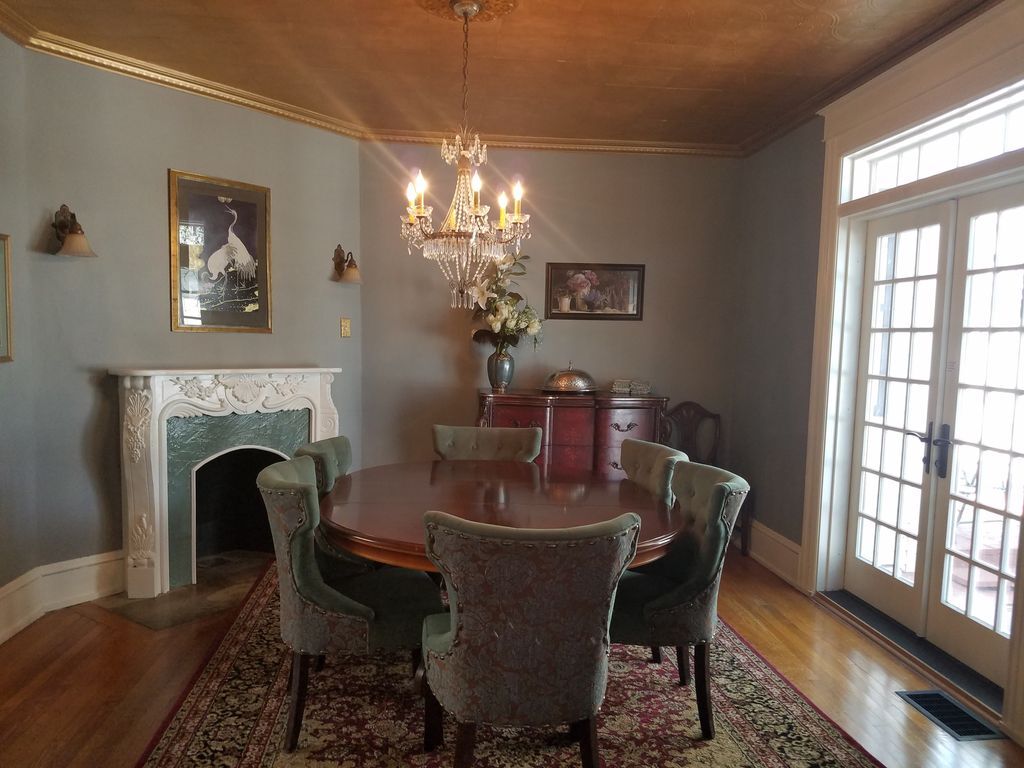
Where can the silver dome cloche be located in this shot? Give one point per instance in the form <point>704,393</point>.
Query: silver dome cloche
<point>570,381</point>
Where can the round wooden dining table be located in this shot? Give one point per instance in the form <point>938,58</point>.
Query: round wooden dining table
<point>377,512</point>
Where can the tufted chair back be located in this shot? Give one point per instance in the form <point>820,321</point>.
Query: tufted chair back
<point>526,642</point>
<point>709,499</point>
<point>332,457</point>
<point>650,466</point>
<point>494,443</point>
<point>315,618</point>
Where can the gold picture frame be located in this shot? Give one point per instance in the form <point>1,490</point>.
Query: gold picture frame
<point>220,254</point>
<point>6,313</point>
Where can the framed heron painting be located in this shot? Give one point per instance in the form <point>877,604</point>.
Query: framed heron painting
<point>220,254</point>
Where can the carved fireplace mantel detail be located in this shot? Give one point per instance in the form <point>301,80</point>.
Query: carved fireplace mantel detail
<point>150,397</point>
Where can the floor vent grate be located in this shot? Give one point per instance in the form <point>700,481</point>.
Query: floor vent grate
<point>948,714</point>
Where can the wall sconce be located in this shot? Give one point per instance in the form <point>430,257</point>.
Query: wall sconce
<point>345,269</point>
<point>70,234</point>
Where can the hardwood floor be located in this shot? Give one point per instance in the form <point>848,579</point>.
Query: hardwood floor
<point>86,687</point>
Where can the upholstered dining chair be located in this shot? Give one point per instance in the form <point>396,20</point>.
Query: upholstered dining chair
<point>382,609</point>
<point>674,600</point>
<point>650,465</point>
<point>332,458</point>
<point>496,443</point>
<point>526,639</point>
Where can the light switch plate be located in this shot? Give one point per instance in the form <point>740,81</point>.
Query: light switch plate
<point>346,327</point>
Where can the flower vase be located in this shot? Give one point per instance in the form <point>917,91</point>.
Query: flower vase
<point>500,366</point>
<point>564,303</point>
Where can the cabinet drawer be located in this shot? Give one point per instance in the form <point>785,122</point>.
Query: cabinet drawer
<point>520,416</point>
<point>616,424</point>
<point>572,426</point>
<point>606,463</point>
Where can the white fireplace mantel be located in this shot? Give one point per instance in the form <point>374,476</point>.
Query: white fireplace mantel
<point>149,397</point>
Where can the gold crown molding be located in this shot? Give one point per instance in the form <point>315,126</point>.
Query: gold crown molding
<point>23,32</point>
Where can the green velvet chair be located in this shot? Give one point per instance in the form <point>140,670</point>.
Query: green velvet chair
<point>650,465</point>
<point>526,639</point>
<point>674,600</point>
<point>323,613</point>
<point>491,443</point>
<point>332,458</point>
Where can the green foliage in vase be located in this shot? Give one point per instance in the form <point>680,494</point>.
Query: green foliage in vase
<point>505,314</point>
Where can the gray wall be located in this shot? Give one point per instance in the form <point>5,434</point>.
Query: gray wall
<point>676,215</point>
<point>729,245</point>
<point>773,322</point>
<point>103,143</point>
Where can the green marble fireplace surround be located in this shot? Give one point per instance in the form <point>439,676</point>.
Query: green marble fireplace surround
<point>194,440</point>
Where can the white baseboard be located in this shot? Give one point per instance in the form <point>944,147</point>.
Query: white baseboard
<point>58,585</point>
<point>776,553</point>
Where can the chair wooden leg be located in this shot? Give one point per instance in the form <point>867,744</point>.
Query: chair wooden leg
<point>433,721</point>
<point>465,740</point>
<point>297,699</point>
<point>320,661</point>
<point>683,662</point>
<point>586,732</point>
<point>655,655</point>
<point>702,670</point>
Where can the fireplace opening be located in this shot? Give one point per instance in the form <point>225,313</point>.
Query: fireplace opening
<point>229,511</point>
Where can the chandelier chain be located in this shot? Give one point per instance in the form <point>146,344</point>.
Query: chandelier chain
<point>465,74</point>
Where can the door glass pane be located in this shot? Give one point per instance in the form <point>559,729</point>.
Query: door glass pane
<point>981,251</point>
<point>969,410</point>
<point>961,528</point>
<point>1006,298</point>
<point>910,509</point>
<point>1010,241</point>
<point>868,493</point>
<point>988,538</point>
<point>1002,359</point>
<point>928,250</point>
<point>895,404</point>
<point>1005,607</point>
<point>866,539</point>
<point>903,305</point>
<point>981,601</point>
<point>917,407</point>
<point>974,358</point>
<point>906,559</point>
<point>899,355</point>
<point>924,304</point>
<point>963,482</point>
<point>978,307</point>
<point>913,460</point>
<point>888,501</point>
<point>954,586</point>
<point>892,452</point>
<point>993,471</point>
<point>885,550</point>
<point>997,420</point>
<point>878,356</point>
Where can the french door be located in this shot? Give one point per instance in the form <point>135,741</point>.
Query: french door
<point>938,485</point>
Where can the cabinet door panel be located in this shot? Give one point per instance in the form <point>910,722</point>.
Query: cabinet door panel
<point>570,457</point>
<point>572,426</point>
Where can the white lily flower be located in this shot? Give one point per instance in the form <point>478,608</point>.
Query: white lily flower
<point>481,292</point>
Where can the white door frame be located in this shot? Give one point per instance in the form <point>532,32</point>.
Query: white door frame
<point>982,56</point>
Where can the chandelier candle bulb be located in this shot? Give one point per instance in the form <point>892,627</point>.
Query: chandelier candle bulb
<point>421,189</point>
<point>477,186</point>
<point>517,195</point>
<point>502,205</point>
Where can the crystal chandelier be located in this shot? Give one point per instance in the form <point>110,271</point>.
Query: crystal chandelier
<point>467,241</point>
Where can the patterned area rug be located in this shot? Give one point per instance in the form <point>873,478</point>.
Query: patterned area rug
<point>361,712</point>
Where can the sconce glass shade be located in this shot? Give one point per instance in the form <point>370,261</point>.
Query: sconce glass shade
<point>76,244</point>
<point>351,272</point>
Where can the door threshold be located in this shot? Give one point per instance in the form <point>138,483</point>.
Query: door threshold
<point>933,663</point>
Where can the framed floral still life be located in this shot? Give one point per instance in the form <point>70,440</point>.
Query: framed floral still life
<point>6,315</point>
<point>576,291</point>
<point>220,254</point>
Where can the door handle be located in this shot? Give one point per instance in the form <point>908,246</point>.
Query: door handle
<point>942,442</point>
<point>926,438</point>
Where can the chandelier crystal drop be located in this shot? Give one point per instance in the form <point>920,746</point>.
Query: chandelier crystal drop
<point>467,240</point>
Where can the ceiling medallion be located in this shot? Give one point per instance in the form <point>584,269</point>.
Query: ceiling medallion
<point>486,11</point>
<point>467,241</point>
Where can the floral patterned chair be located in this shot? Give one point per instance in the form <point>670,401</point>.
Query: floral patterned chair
<point>526,641</point>
<point>650,465</point>
<point>332,458</point>
<point>674,600</point>
<point>324,613</point>
<point>494,443</point>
